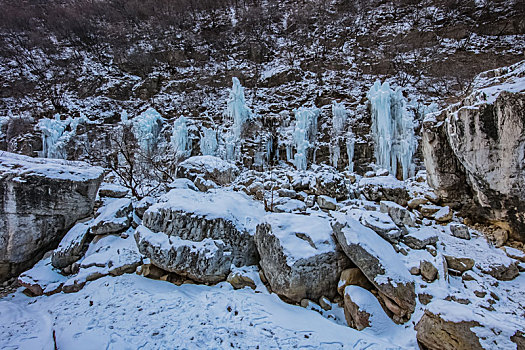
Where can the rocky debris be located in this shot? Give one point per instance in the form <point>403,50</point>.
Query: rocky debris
<point>243,277</point>
<point>515,253</point>
<point>352,277</point>
<point>437,333</point>
<point>219,215</point>
<point>428,271</point>
<point>203,184</point>
<point>400,215</point>
<point>326,202</point>
<point>363,310</point>
<point>420,238</point>
<point>284,192</point>
<point>204,261</point>
<point>147,269</point>
<point>210,168</point>
<point>114,217</point>
<point>415,203</point>
<point>182,183</point>
<point>429,210</point>
<point>444,214</point>
<point>331,185</point>
<point>143,205</point>
<point>460,264</point>
<point>112,190</point>
<point>325,304</point>
<point>501,270</point>
<point>289,206</point>
<point>71,247</point>
<point>459,231</point>
<point>384,188</point>
<point>382,224</point>
<point>379,263</point>
<point>299,257</point>
<point>40,199</point>
<point>472,143</point>
<point>42,279</point>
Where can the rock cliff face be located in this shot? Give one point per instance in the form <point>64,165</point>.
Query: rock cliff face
<point>39,200</point>
<point>478,147</point>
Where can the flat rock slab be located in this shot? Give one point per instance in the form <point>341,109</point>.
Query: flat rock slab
<point>116,216</point>
<point>211,168</point>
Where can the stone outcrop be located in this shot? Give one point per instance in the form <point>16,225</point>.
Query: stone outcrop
<point>437,333</point>
<point>380,264</point>
<point>70,248</point>
<point>40,199</point>
<point>113,218</point>
<point>199,235</point>
<point>474,149</point>
<point>299,256</point>
<point>208,168</point>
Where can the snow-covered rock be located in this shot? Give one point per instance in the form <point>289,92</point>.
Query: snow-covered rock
<point>384,188</point>
<point>362,310</point>
<point>114,217</point>
<point>379,262</point>
<point>352,277</point>
<point>70,248</point>
<point>217,214</point>
<point>327,203</point>
<point>112,190</point>
<point>420,238</point>
<point>40,199</point>
<point>203,261</point>
<point>211,168</point>
<point>299,257</point>
<point>143,205</point>
<point>382,224</point>
<point>459,231</point>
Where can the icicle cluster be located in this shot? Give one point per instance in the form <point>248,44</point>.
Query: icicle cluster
<point>350,144</point>
<point>146,128</point>
<point>208,142</point>
<point>304,134</point>
<point>393,130</point>
<point>339,116</point>
<point>237,109</point>
<point>56,134</point>
<point>179,137</point>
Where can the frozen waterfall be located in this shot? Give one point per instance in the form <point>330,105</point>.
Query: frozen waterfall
<point>304,134</point>
<point>56,133</point>
<point>392,129</point>
<point>146,128</point>
<point>179,137</point>
<point>208,142</point>
<point>237,109</point>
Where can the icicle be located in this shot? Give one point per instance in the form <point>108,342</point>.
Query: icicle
<point>336,154</point>
<point>232,147</point>
<point>304,134</point>
<point>146,128</point>
<point>350,144</point>
<point>237,109</point>
<point>208,142</point>
<point>179,138</point>
<point>392,129</point>
<point>339,116</point>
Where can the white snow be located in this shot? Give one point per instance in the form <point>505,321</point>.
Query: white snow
<point>301,236</point>
<point>239,208</point>
<point>50,168</point>
<point>131,312</point>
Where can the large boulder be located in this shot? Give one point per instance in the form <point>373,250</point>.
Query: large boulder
<point>363,310</point>
<point>116,216</point>
<point>70,248</point>
<point>40,199</point>
<point>220,222</point>
<point>384,188</point>
<point>380,264</point>
<point>299,256</point>
<point>211,168</point>
<point>476,147</point>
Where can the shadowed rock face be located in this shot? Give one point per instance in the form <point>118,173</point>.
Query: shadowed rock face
<point>475,151</point>
<point>40,199</point>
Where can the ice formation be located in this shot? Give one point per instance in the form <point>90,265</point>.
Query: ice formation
<point>237,109</point>
<point>146,127</point>
<point>350,145</point>
<point>179,138</point>
<point>208,142</point>
<point>56,133</point>
<point>392,130</point>
<point>304,134</point>
<point>339,116</point>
